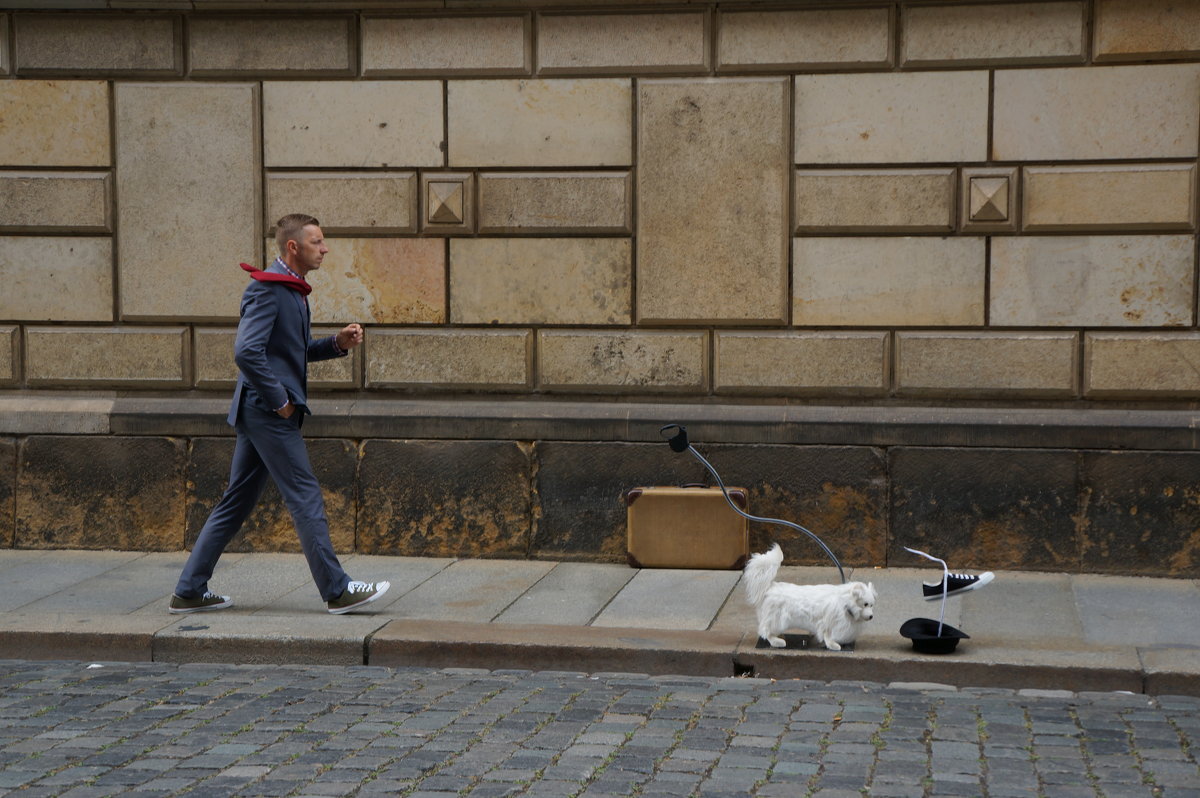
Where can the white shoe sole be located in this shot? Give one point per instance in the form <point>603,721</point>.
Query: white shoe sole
<point>381,588</point>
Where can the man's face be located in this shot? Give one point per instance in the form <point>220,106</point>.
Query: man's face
<point>310,248</point>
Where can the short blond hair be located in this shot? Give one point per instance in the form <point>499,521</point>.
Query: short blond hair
<point>288,229</point>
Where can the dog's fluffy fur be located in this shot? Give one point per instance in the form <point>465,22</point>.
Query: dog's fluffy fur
<point>834,614</point>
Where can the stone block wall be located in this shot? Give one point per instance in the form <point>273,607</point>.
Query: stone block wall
<point>664,200</point>
<point>872,204</point>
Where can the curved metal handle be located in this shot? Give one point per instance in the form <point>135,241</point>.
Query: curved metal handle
<point>679,443</point>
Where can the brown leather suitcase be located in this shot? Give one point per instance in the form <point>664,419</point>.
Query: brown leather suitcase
<point>688,527</point>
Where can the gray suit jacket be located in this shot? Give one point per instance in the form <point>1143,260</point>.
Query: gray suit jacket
<point>274,345</point>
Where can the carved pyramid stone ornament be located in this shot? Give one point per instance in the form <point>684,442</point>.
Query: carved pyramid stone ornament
<point>989,199</point>
<point>446,202</point>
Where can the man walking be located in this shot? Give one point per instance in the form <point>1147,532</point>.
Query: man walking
<point>269,404</point>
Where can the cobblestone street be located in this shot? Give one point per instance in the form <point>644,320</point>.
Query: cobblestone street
<point>67,729</point>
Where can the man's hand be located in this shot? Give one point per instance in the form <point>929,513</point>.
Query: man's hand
<point>350,336</point>
<point>287,410</point>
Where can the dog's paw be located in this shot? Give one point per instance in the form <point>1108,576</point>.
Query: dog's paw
<point>832,645</point>
<point>777,642</point>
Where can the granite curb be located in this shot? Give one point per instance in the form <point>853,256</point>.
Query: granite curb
<point>375,641</point>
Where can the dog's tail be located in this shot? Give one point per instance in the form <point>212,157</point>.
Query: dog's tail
<point>760,572</point>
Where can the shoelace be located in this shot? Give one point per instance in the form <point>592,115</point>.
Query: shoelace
<point>962,576</point>
<point>360,587</point>
<point>208,594</point>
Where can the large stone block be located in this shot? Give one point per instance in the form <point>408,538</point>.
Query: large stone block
<point>802,363</point>
<point>802,39</point>
<point>459,359</point>
<point>380,281</point>
<point>147,44</point>
<point>270,527</point>
<point>1068,114</point>
<point>985,509</point>
<point>361,124</point>
<point>888,281</point>
<point>891,117</point>
<point>8,492</point>
<point>540,281</point>
<point>833,200</point>
<point>991,34</point>
<point>10,365</point>
<point>56,278</point>
<point>203,137</point>
<point>1141,365</point>
<point>346,203</point>
<point>1141,513</point>
<point>212,355</point>
<point>3,44</point>
<point>1092,281</point>
<point>54,123</point>
<point>630,362</point>
<point>100,492</point>
<point>712,199</point>
<point>51,201</point>
<point>444,499</point>
<point>1147,29</point>
<point>540,123</point>
<point>548,202</point>
<point>1159,196</point>
<point>142,357</point>
<point>446,45</point>
<point>572,44</point>
<point>986,364</point>
<point>274,46</point>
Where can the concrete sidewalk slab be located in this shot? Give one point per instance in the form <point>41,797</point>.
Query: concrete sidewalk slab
<point>1118,610</point>
<point>39,577</point>
<point>129,587</point>
<point>1038,607</point>
<point>405,574</point>
<point>669,599</point>
<point>572,594</point>
<point>253,581</point>
<point>228,636</point>
<point>570,648</point>
<point>471,590</point>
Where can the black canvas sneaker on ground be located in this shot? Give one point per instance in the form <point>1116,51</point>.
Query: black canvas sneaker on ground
<point>209,601</point>
<point>956,584</point>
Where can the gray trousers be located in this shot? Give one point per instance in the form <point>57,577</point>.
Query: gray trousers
<point>267,445</point>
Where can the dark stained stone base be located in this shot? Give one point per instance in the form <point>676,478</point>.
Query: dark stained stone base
<point>979,508</point>
<point>444,498</point>
<point>269,527</point>
<point>8,490</point>
<point>93,492</point>
<point>1140,513</point>
<point>985,508</point>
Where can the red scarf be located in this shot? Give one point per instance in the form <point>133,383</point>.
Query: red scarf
<point>294,283</point>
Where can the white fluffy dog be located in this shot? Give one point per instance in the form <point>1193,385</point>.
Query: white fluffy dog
<point>835,614</point>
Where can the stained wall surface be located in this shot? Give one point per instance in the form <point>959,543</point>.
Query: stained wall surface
<point>865,203</point>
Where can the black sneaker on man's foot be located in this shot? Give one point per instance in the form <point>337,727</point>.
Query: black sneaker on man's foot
<point>955,584</point>
<point>209,601</point>
<point>356,596</point>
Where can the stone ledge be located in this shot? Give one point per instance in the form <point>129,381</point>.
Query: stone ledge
<point>39,413</point>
